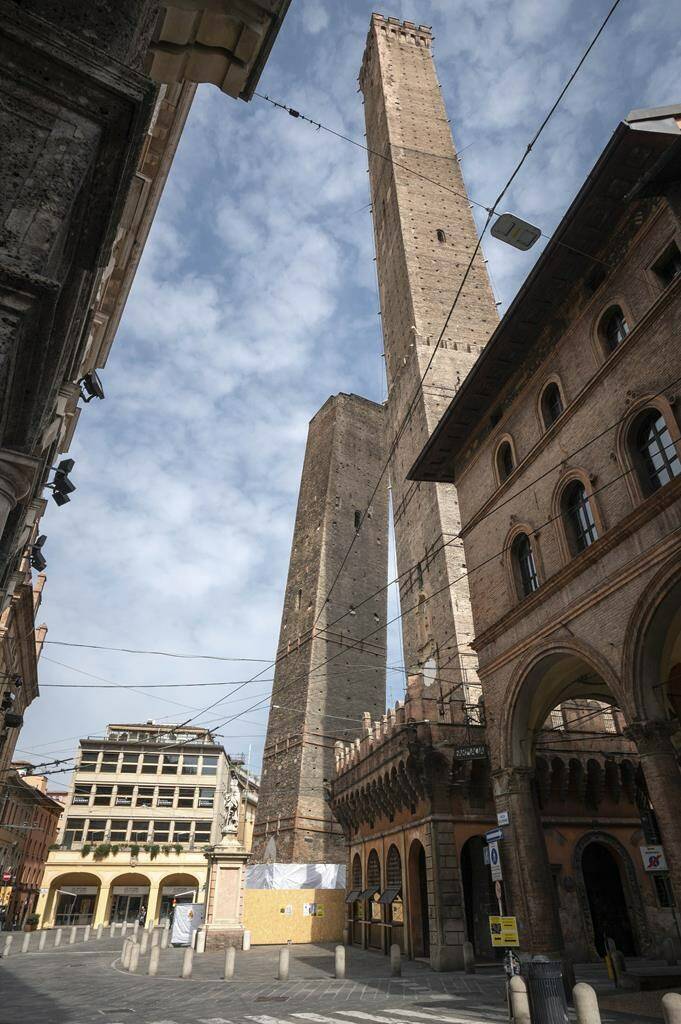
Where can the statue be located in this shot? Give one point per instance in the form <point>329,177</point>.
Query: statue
<point>232,805</point>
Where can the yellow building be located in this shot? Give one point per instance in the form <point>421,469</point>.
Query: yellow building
<point>146,804</point>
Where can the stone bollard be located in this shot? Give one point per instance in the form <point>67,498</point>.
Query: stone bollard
<point>26,942</point>
<point>144,941</point>
<point>339,964</point>
<point>230,960</point>
<point>468,958</point>
<point>246,940</point>
<point>100,929</point>
<point>125,954</point>
<point>8,945</point>
<point>165,939</point>
<point>57,937</point>
<point>134,957</point>
<point>520,1006</point>
<point>284,959</point>
<point>671,1008</point>
<point>586,1004</point>
<point>346,936</point>
<point>395,961</point>
<point>187,963</point>
<point>155,938</point>
<point>74,933</point>
<point>87,933</point>
<point>668,951</point>
<point>43,939</point>
<point>112,930</point>
<point>200,944</point>
<point>135,929</point>
<point>154,958</point>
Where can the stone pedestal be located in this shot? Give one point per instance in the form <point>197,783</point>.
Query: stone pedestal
<point>224,900</point>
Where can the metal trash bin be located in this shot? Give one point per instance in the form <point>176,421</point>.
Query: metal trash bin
<point>546,991</point>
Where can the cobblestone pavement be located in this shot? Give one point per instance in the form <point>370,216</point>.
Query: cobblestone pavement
<point>84,984</point>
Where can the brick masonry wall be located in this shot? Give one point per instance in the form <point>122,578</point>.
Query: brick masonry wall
<point>418,275</point>
<point>321,703</point>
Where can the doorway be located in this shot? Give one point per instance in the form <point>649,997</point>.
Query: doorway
<point>126,908</point>
<point>479,899</point>
<point>606,898</point>
<point>419,924</point>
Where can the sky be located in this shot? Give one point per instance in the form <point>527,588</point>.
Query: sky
<point>255,300</point>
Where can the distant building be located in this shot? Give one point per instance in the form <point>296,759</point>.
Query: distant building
<point>146,805</point>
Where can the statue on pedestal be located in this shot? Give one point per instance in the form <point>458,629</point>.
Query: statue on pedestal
<point>230,825</point>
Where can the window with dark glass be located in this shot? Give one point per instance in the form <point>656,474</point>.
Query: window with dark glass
<point>190,764</point>
<point>206,796</point>
<point>525,565</point>
<point>161,831</point>
<point>393,867</point>
<point>655,451</point>
<point>551,404</point>
<point>166,795</point>
<point>579,517</point>
<point>139,831</point>
<point>88,760</point>
<point>73,833</point>
<point>96,829</point>
<point>210,765</point>
<point>129,765</point>
<point>505,464</point>
<point>171,764</point>
<point>81,794</point>
<point>201,831</point>
<point>614,328</point>
<point>185,796</point>
<point>124,796</point>
<point>150,764</point>
<point>109,762</point>
<point>181,832</point>
<point>119,830</point>
<point>145,796</point>
<point>356,872</point>
<point>669,265</point>
<point>103,795</point>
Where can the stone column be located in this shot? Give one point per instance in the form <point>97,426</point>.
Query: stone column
<point>444,898</point>
<point>528,885</point>
<point>663,779</point>
<point>153,904</point>
<point>102,904</point>
<point>17,473</point>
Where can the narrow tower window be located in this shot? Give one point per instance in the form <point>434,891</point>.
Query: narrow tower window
<point>358,519</point>
<point>299,599</point>
<point>505,465</point>
<point>654,451</point>
<point>525,565</point>
<point>441,236</point>
<point>579,517</point>
<point>614,328</point>
<point>551,404</point>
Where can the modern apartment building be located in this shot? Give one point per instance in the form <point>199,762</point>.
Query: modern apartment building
<point>145,805</point>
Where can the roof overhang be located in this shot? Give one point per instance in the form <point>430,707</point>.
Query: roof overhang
<point>642,159</point>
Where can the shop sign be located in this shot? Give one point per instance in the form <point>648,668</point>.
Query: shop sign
<point>78,890</point>
<point>471,752</point>
<point>653,858</point>
<point>173,890</point>
<point>129,890</point>
<point>504,931</point>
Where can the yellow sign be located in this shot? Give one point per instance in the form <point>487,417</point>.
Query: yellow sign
<point>504,931</point>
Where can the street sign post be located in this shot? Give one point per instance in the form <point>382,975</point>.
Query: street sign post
<point>493,835</point>
<point>504,931</point>
<point>495,862</point>
<point>653,858</point>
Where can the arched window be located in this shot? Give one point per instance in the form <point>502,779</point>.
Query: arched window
<point>579,520</point>
<point>613,328</point>
<point>373,870</point>
<point>393,868</point>
<point>551,404</point>
<point>654,451</point>
<point>441,236</point>
<point>525,568</point>
<point>356,872</point>
<point>505,463</point>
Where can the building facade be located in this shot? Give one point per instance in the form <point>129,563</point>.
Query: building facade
<point>563,444</point>
<point>145,807</point>
<point>324,678</point>
<point>424,236</point>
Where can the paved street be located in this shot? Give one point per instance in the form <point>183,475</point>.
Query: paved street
<point>83,984</point>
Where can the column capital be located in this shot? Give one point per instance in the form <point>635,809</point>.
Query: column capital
<point>17,473</point>
<point>652,735</point>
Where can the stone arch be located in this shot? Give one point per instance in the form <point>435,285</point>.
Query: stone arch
<point>419,924</point>
<point>632,893</point>
<point>67,881</point>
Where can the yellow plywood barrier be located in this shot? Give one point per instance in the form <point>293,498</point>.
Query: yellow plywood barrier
<point>274,916</point>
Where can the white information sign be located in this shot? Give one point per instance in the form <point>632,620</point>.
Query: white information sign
<point>653,858</point>
<point>495,861</point>
<point>502,818</point>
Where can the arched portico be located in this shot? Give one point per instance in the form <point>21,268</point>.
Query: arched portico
<point>609,895</point>
<point>180,887</point>
<point>72,899</point>
<point>419,925</point>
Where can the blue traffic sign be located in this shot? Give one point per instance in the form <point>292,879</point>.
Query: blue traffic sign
<point>494,834</point>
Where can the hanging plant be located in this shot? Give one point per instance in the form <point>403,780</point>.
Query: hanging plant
<point>154,850</point>
<point>102,851</point>
<point>167,850</point>
<point>178,848</point>
<point>85,850</point>
<point>134,850</point>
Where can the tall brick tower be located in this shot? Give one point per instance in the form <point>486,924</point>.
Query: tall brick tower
<point>314,706</point>
<point>424,236</point>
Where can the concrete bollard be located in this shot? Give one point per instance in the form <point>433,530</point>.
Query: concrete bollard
<point>112,929</point>
<point>165,939</point>
<point>134,957</point>
<point>8,945</point>
<point>395,961</point>
<point>284,960</point>
<point>74,933</point>
<point>135,929</point>
<point>87,933</point>
<point>671,1008</point>
<point>26,942</point>
<point>125,954</point>
<point>230,960</point>
<point>668,951</point>
<point>468,958</point>
<point>144,941</point>
<point>154,958</point>
<point>200,944</point>
<point>187,963</point>
<point>520,1006</point>
<point>43,939</point>
<point>586,1004</point>
<point>100,929</point>
<point>339,963</point>
<point>346,936</point>
<point>246,940</point>
<point>57,937</point>
<point>155,938</point>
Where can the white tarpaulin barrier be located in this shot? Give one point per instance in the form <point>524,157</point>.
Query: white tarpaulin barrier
<point>295,876</point>
<point>187,917</point>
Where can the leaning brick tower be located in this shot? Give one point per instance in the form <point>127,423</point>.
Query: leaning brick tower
<point>324,682</point>
<point>424,236</point>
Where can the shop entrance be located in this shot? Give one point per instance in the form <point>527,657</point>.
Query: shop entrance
<point>607,901</point>
<point>126,908</point>
<point>76,905</point>
<point>479,898</point>
<point>419,925</point>
<point>170,899</point>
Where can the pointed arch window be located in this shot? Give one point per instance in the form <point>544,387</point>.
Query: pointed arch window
<point>505,460</point>
<point>578,516</point>
<point>525,566</point>
<point>551,404</point>
<point>654,451</point>
<point>613,328</point>
<point>393,867</point>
